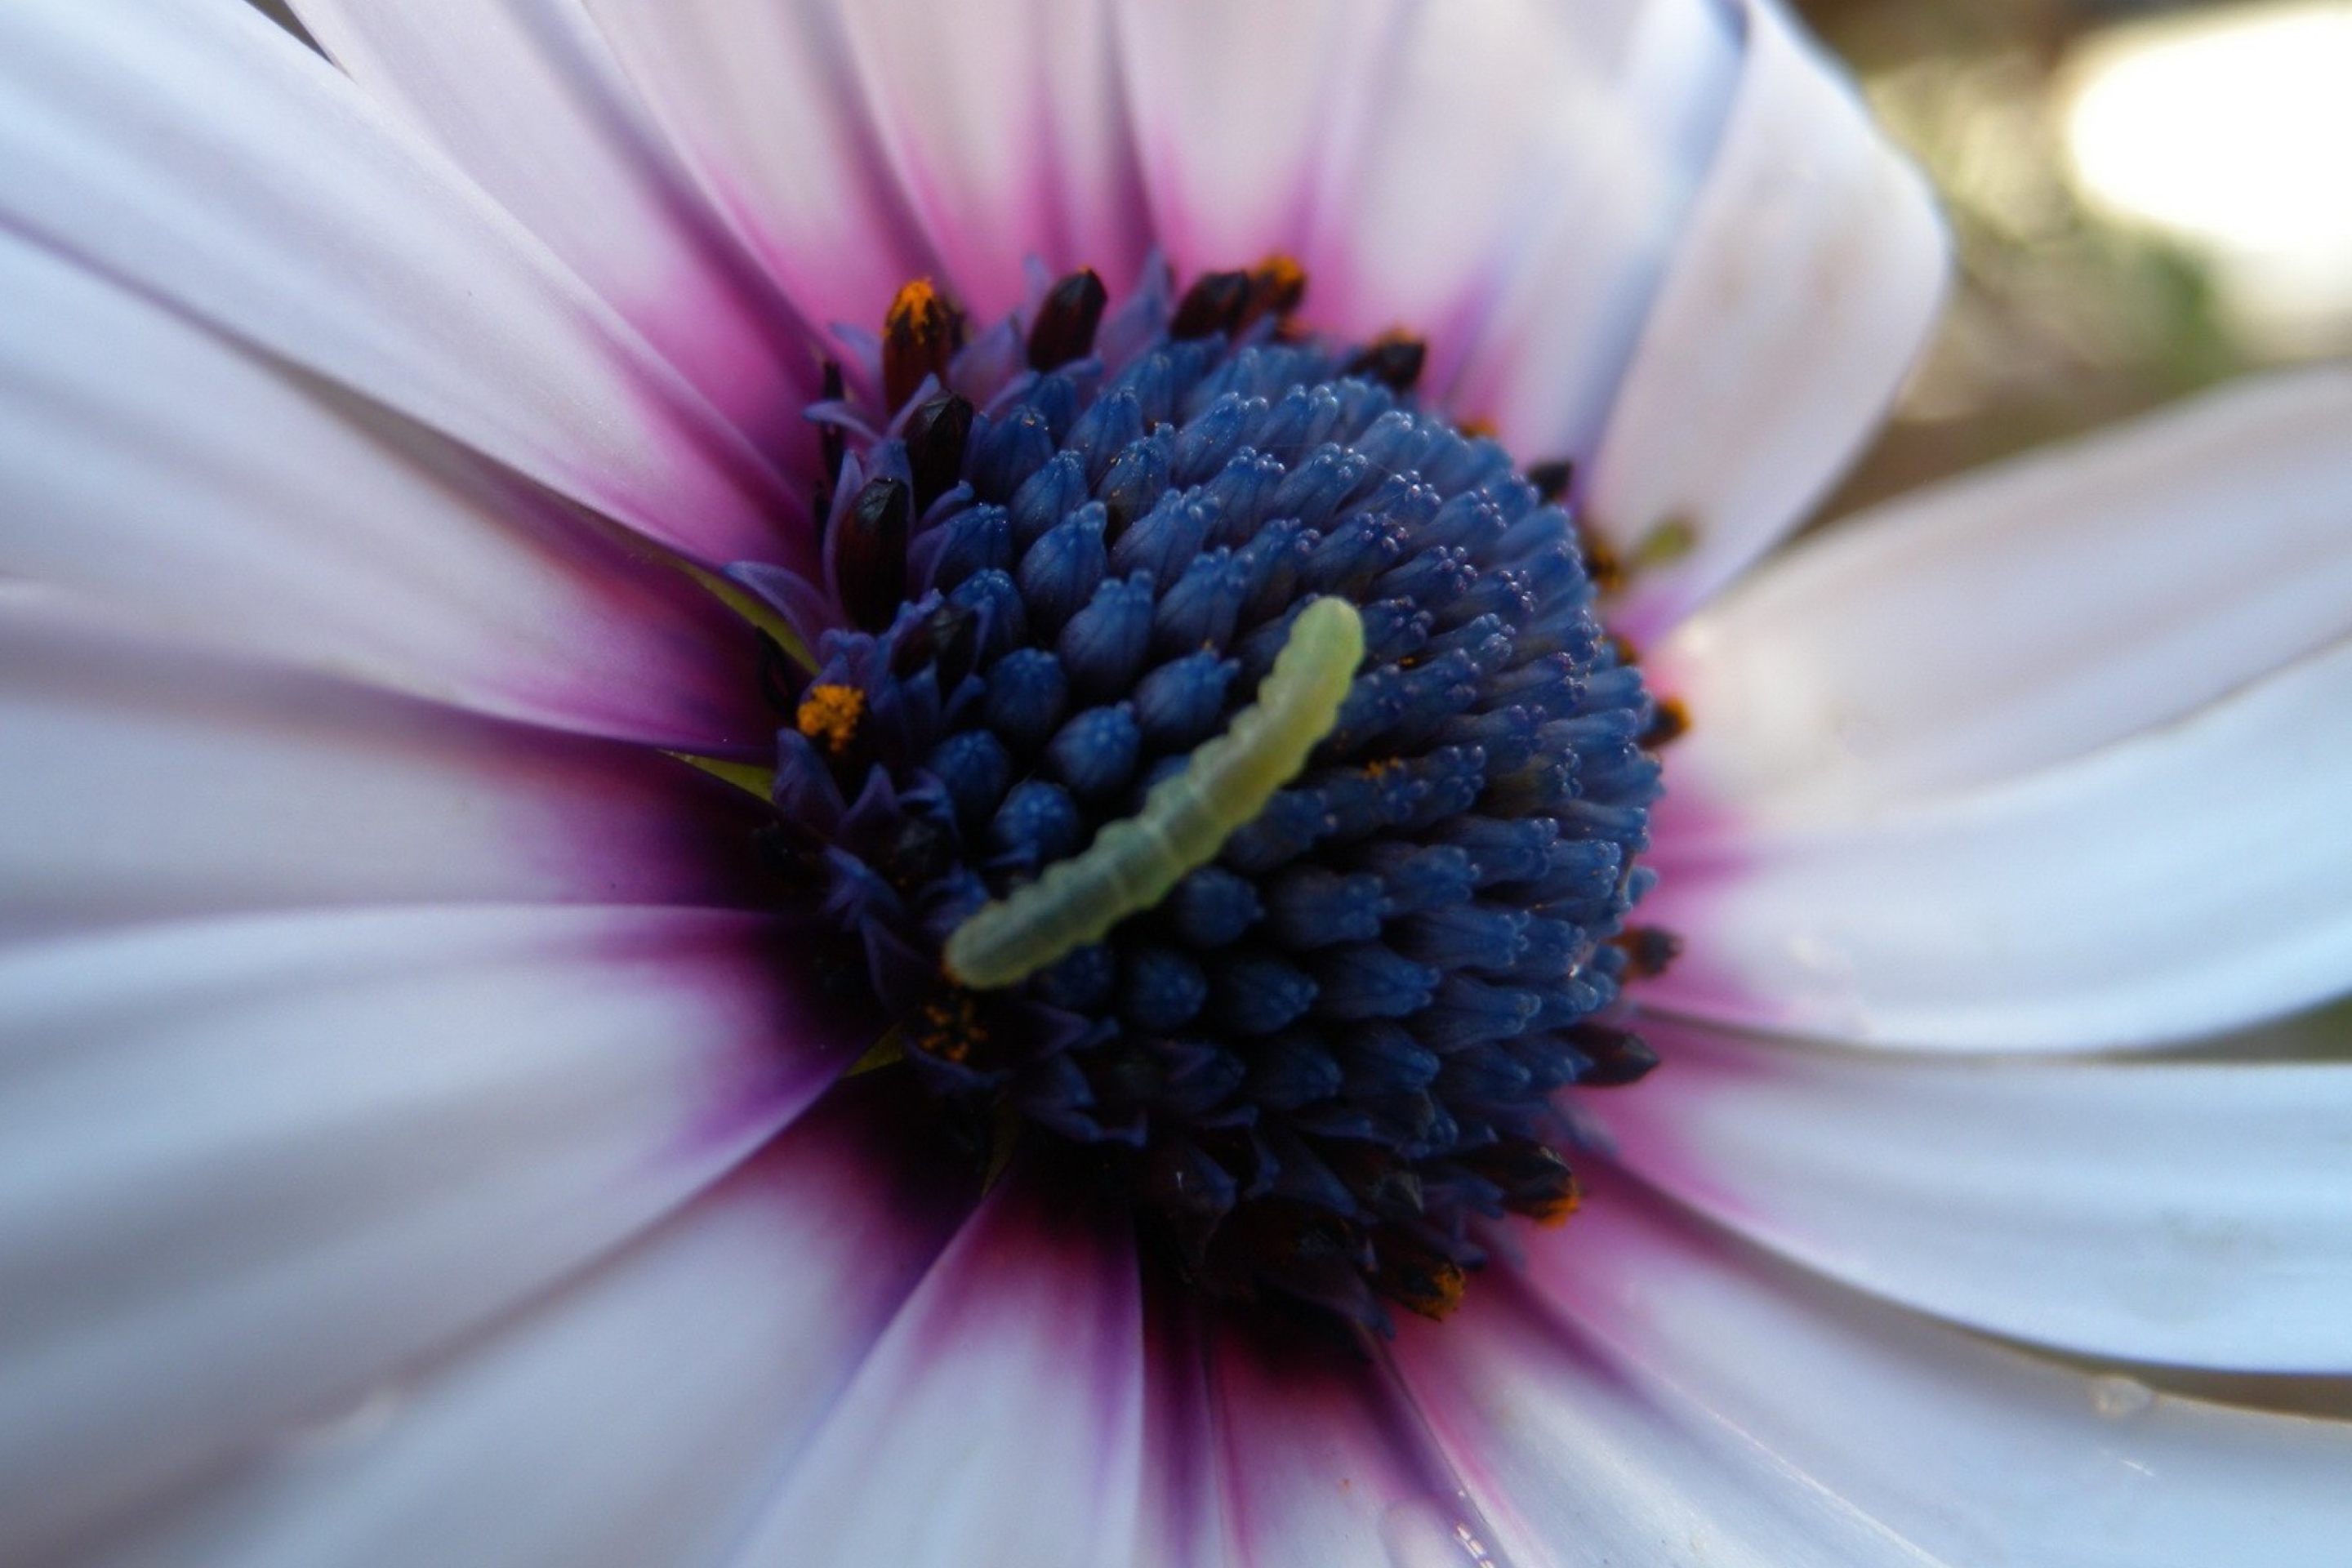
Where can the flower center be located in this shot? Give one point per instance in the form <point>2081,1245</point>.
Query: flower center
<point>1294,920</point>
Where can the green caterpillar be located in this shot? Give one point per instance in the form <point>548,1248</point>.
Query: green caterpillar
<point>1186,820</point>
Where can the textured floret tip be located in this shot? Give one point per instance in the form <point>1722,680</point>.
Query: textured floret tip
<point>1313,1023</point>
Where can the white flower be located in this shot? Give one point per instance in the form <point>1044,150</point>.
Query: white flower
<point>416,1148</point>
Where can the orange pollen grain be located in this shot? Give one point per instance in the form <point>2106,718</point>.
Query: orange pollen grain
<point>916,310</point>
<point>919,336</point>
<point>1554,1210</point>
<point>1671,723</point>
<point>1443,1292</point>
<point>1600,563</point>
<point>948,1031</point>
<point>1277,284</point>
<point>829,713</point>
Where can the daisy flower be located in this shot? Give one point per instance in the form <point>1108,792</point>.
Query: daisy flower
<point>793,782</point>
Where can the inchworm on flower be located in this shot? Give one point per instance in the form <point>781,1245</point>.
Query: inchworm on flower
<point>1186,819</point>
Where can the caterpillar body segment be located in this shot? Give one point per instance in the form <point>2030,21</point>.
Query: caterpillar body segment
<point>1186,820</point>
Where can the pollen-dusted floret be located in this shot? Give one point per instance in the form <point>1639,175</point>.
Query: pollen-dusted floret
<point>920,337</point>
<point>1066,556</point>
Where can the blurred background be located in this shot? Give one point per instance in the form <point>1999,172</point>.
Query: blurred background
<point>2147,196</point>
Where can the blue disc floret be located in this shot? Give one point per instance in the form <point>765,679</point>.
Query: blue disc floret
<point>1063,558</point>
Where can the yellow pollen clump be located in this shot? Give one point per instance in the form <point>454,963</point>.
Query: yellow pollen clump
<point>829,714</point>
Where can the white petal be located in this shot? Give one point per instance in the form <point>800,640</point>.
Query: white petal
<point>2199,1213</point>
<point>526,99</point>
<point>2027,615</point>
<point>1243,111</point>
<point>2189,881</point>
<point>1515,198</point>
<point>636,1418</point>
<point>1504,179</point>
<point>248,1167</point>
<point>1807,277</point>
<point>999,1420</point>
<point>196,153</point>
<point>147,779</point>
<point>1326,1461</point>
<point>207,489</point>
<point>1184,1518</point>
<point>1005,127</point>
<point>761,97</point>
<point>1682,1401</point>
<point>1581,1463</point>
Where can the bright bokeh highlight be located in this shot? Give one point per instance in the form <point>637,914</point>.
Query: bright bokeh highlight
<point>2230,129</point>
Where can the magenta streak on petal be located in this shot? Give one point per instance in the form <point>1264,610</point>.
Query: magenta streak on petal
<point>910,1197</point>
<point>669,1381</point>
<point>229,494</point>
<point>524,95</point>
<point>731,330</point>
<point>1691,883</point>
<point>1702,854</point>
<point>590,821</point>
<point>1112,234</point>
<point>369,1132</point>
<point>796,1043</point>
<point>846,291</point>
<point>1697,850</point>
<point>1688,821</point>
<point>791,1045</point>
<point>849,273</point>
<point>1650,1138</point>
<point>1241,114</point>
<point>999,1417</point>
<point>665,832</point>
<point>765,384</point>
<point>989,286</point>
<point>765,379</point>
<point>868,1209</point>
<point>228,784</point>
<point>1008,134</point>
<point>1591,1272</point>
<point>1327,1460</point>
<point>1568,1416</point>
<point>761,377</point>
<point>664,662</point>
<point>1451,334</point>
<point>1184,1523</point>
<point>843,1163</point>
<point>1181,228</point>
<point>1029,1251</point>
<point>397,276</point>
<point>1508,1326</point>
